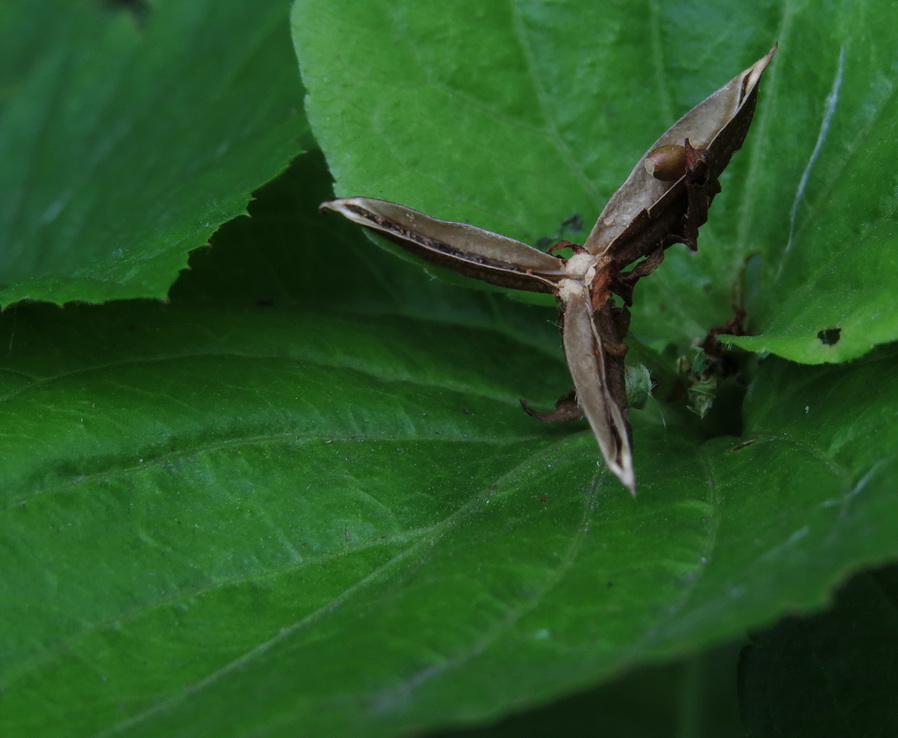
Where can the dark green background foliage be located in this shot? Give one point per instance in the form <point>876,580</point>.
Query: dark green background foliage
<point>298,496</point>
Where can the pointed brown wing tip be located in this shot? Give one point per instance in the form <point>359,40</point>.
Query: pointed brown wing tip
<point>765,60</point>
<point>628,479</point>
<point>625,475</point>
<point>336,205</point>
<point>757,69</point>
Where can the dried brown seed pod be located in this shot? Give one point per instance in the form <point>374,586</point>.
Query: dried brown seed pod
<point>666,163</point>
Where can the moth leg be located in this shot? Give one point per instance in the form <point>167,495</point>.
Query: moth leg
<point>623,283</point>
<point>566,409</point>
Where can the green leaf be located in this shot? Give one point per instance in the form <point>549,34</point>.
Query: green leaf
<point>305,488</point>
<point>831,674</point>
<point>827,274</point>
<point>515,116</point>
<point>301,498</point>
<point>128,136</point>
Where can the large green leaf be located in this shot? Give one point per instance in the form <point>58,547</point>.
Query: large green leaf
<point>301,499</point>
<point>513,116</point>
<point>128,137</point>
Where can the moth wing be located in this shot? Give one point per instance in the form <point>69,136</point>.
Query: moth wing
<point>475,252</point>
<point>586,359</point>
<point>718,124</point>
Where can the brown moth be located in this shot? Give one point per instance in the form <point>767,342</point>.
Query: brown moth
<point>664,201</point>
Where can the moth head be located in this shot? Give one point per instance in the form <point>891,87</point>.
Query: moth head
<point>666,163</point>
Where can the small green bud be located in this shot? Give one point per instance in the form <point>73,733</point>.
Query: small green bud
<point>639,385</point>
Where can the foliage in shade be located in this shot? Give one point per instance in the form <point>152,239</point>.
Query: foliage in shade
<point>127,138</point>
<point>694,696</point>
<point>301,498</point>
<point>831,674</point>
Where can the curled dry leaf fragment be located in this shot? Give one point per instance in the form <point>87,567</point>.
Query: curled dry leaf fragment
<point>663,201</point>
